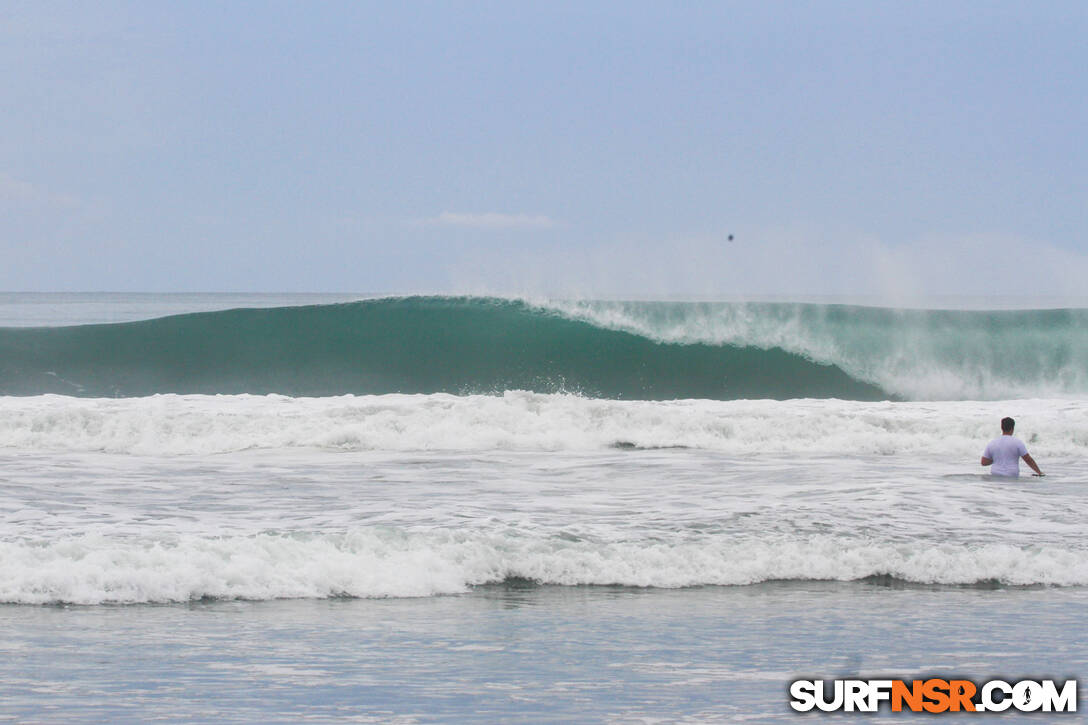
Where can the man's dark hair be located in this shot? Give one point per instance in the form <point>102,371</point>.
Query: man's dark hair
<point>1007,424</point>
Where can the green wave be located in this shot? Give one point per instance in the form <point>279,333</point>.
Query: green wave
<point>403,345</point>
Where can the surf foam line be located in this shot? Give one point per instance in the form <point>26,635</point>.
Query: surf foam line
<point>96,569</point>
<point>518,420</point>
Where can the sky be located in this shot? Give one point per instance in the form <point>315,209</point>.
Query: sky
<point>584,148</point>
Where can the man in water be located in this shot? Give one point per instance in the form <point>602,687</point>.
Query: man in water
<point>1005,452</point>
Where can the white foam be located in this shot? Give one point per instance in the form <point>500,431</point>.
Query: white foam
<point>94,569</point>
<point>196,424</point>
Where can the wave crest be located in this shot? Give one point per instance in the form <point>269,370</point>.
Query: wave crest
<point>616,350</point>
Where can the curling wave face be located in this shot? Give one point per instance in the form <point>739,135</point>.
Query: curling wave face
<point>613,350</point>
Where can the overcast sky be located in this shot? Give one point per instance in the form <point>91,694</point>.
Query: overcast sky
<point>575,148</point>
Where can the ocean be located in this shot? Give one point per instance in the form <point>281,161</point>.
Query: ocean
<point>277,508</point>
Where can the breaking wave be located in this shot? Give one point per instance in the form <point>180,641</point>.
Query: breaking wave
<point>615,350</point>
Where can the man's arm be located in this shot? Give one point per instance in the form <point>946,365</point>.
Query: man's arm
<point>1031,462</point>
<point>987,461</point>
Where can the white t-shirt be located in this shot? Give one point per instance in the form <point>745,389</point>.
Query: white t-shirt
<point>1005,452</point>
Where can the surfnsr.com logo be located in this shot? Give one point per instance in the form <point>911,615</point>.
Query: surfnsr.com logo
<point>933,695</point>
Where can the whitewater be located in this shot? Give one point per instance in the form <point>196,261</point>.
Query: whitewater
<point>446,479</point>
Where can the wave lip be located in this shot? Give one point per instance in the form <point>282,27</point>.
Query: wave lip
<point>96,569</point>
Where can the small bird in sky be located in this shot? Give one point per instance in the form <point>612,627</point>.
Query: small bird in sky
<point>730,237</point>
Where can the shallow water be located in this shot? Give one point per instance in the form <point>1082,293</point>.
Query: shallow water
<point>522,653</point>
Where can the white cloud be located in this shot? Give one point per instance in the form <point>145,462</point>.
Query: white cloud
<point>491,220</point>
<point>24,193</point>
<point>15,190</point>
